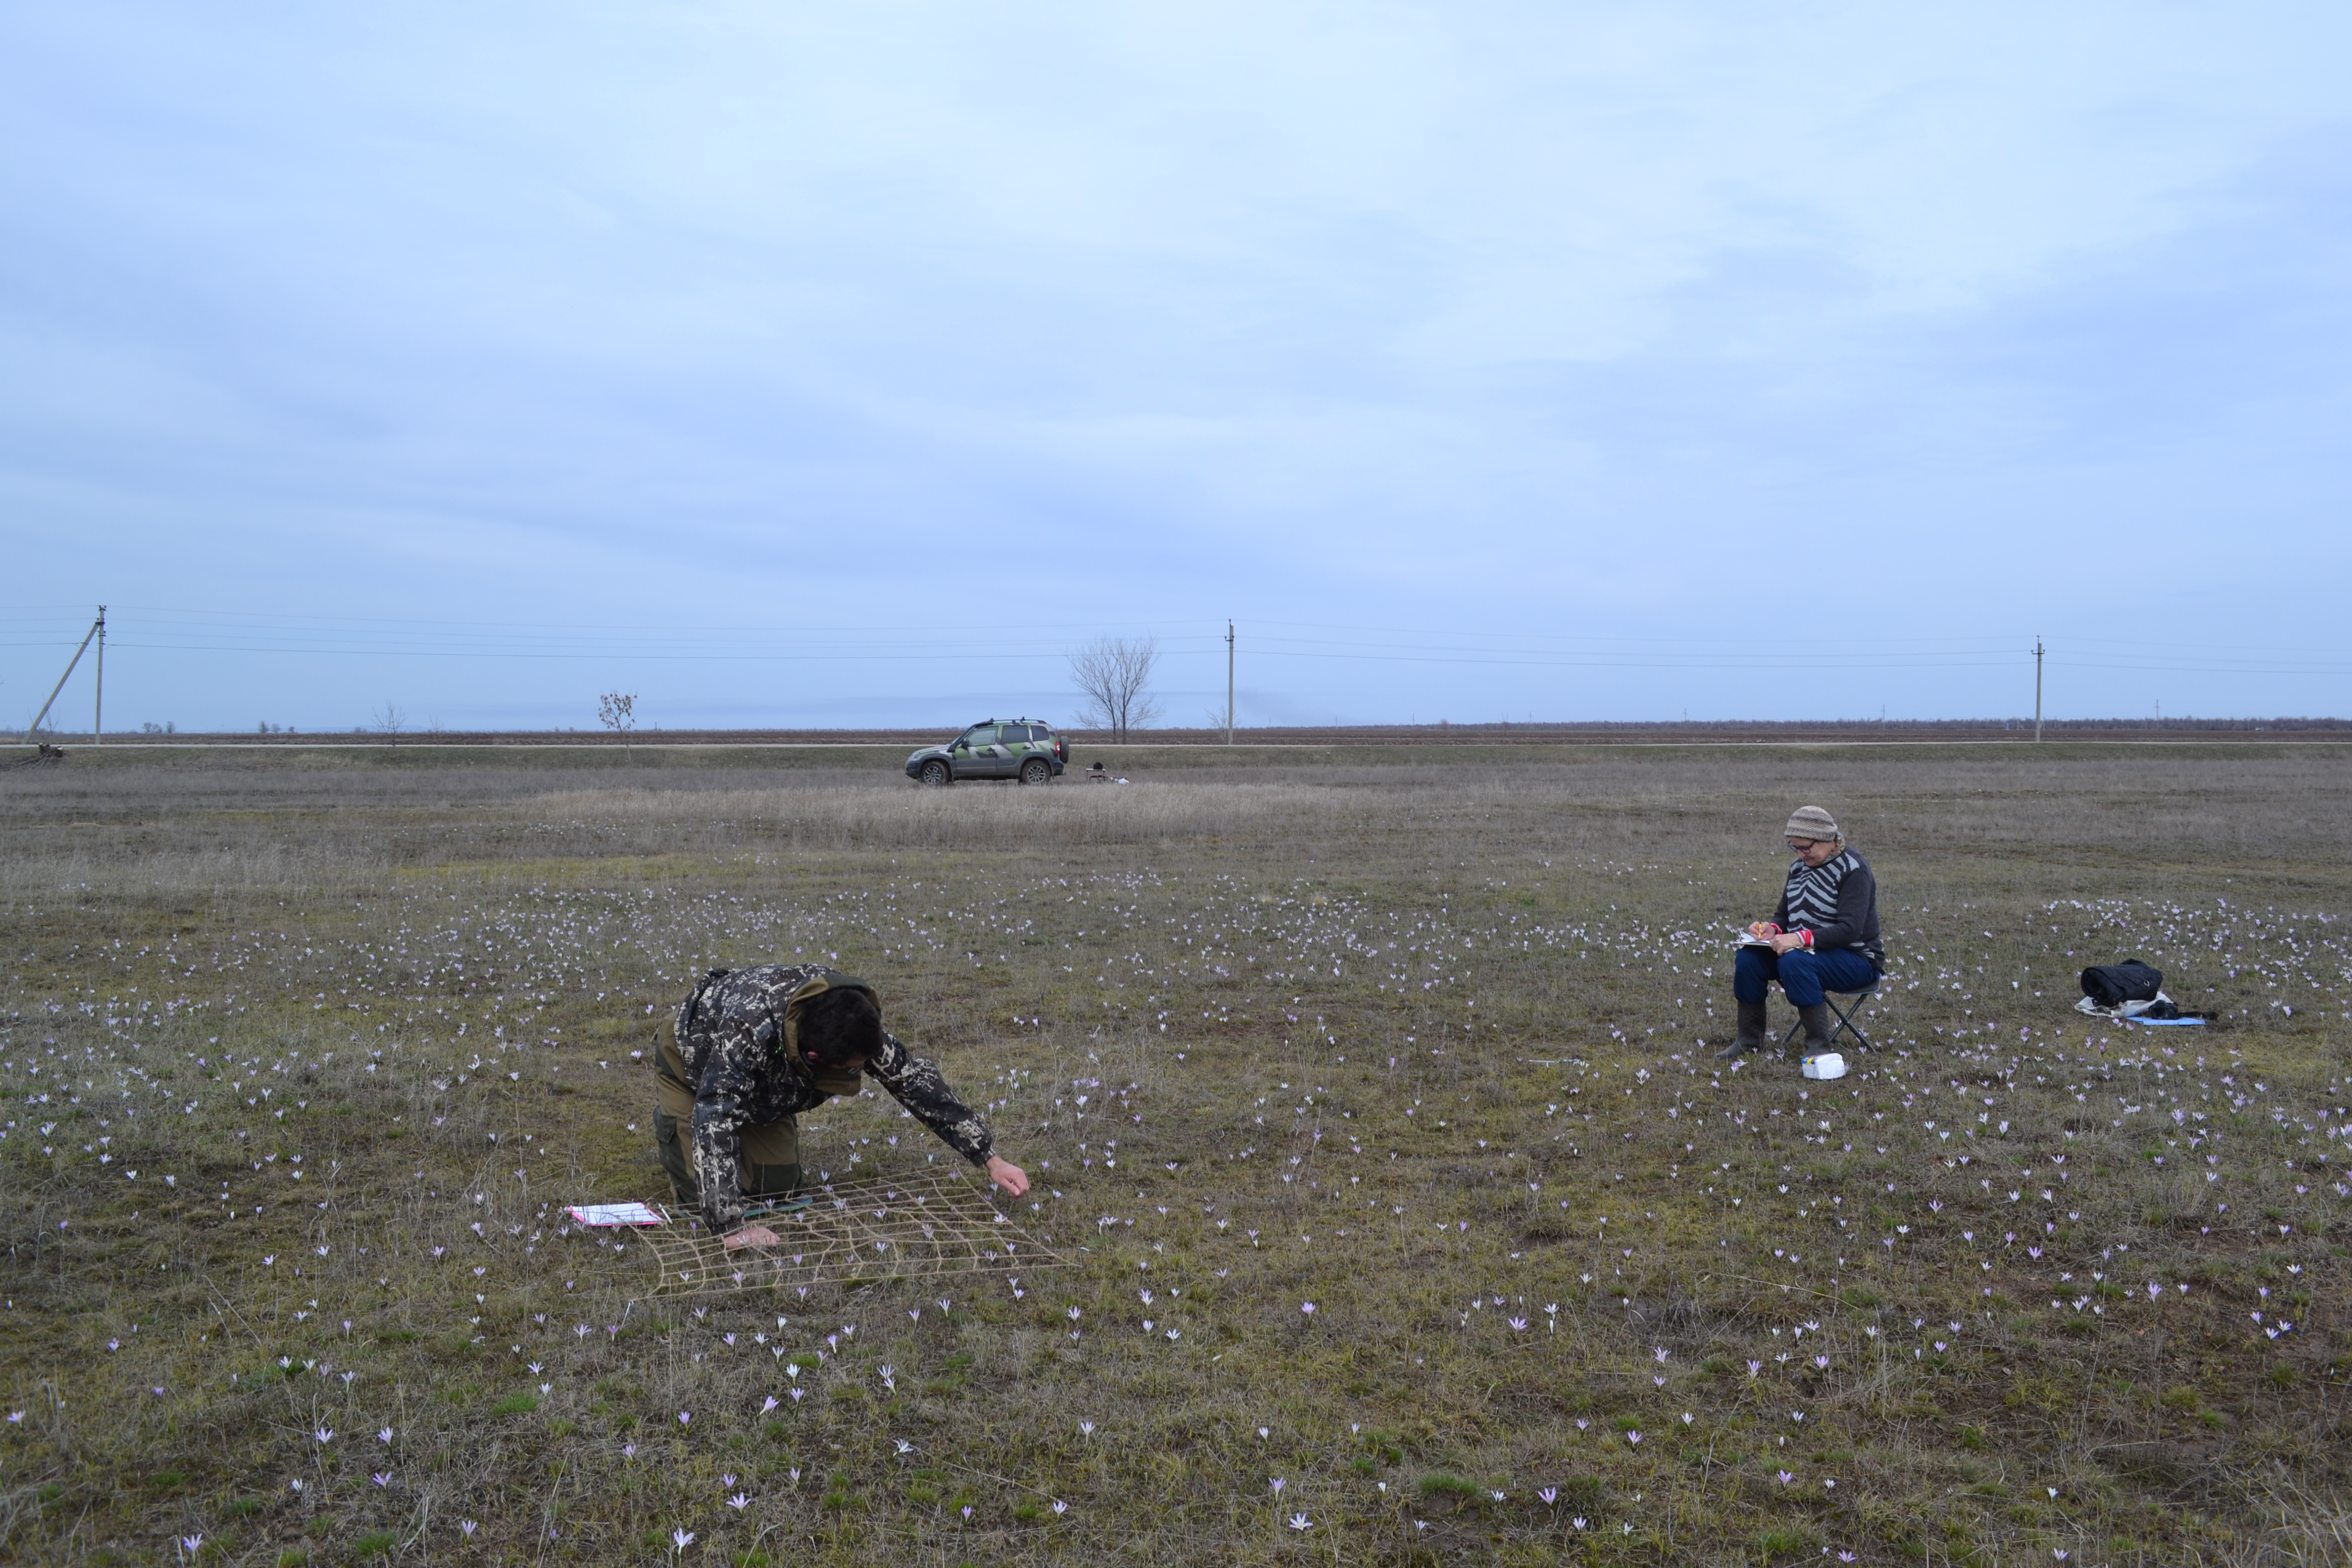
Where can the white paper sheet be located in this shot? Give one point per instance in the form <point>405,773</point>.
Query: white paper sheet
<point>603,1216</point>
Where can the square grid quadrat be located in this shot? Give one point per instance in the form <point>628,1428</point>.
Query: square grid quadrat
<point>918,1227</point>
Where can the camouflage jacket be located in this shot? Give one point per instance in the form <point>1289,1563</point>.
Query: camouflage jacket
<point>731,1037</point>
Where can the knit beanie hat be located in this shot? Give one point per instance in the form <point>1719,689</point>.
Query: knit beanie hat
<point>1811,822</point>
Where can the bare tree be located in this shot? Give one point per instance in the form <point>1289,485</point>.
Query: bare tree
<point>617,711</point>
<point>390,719</point>
<point>1114,676</point>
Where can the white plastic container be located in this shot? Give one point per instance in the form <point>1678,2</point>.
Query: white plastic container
<point>1829,1064</point>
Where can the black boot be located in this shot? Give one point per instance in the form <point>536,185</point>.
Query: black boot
<point>1817,1029</point>
<point>1751,1032</point>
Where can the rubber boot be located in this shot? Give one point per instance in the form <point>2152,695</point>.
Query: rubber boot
<point>1751,1032</point>
<point>1816,1020</point>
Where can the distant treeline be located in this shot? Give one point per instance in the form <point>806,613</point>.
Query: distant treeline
<point>1440,732</point>
<point>1793,726</point>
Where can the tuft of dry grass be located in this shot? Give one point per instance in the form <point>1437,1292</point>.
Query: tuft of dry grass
<point>1424,1043</point>
<point>864,815</point>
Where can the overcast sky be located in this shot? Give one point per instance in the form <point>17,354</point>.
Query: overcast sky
<point>800,364</point>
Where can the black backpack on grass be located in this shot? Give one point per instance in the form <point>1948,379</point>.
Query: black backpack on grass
<point>2112,985</point>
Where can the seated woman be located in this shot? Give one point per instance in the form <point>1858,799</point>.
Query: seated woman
<point>1824,937</point>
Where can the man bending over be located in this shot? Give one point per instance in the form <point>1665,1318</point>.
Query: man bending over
<point>748,1051</point>
<point>1824,937</point>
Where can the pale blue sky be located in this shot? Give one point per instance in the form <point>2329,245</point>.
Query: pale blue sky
<point>811,365</point>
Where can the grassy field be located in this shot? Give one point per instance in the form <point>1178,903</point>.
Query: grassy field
<point>1409,1215</point>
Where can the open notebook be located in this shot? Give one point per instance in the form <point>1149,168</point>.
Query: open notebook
<point>603,1216</point>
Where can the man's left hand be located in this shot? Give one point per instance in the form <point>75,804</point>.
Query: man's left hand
<point>1788,943</point>
<point>1008,1175</point>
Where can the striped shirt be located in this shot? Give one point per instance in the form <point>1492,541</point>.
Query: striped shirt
<point>1837,901</point>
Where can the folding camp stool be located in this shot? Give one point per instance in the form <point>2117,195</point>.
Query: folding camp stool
<point>1846,1016</point>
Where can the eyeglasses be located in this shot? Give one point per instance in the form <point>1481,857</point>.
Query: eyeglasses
<point>1801,844</point>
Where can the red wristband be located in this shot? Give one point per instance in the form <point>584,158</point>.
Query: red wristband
<point>1807,935</point>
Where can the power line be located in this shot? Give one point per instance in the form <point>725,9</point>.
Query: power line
<point>177,630</point>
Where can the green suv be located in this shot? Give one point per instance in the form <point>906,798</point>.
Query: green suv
<point>1021,750</point>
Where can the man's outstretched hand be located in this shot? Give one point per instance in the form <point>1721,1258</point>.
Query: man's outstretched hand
<point>751,1235</point>
<point>1004,1173</point>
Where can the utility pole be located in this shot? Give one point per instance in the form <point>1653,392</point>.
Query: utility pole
<point>2037,689</point>
<point>1229,683</point>
<point>32,730</point>
<point>98,708</point>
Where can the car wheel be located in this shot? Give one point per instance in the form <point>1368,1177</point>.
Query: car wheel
<point>1037,770</point>
<point>935,772</point>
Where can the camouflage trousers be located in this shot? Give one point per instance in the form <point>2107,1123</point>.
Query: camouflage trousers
<point>770,1164</point>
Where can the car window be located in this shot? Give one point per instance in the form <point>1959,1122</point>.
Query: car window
<point>1041,731</point>
<point>978,735</point>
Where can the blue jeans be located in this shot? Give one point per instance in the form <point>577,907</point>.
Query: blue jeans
<point>1803,975</point>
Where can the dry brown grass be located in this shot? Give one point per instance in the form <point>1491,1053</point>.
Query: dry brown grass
<point>265,821</point>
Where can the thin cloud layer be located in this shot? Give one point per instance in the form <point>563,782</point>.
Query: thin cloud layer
<point>1815,345</point>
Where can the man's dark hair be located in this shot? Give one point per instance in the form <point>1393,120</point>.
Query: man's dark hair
<point>841,1026</point>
